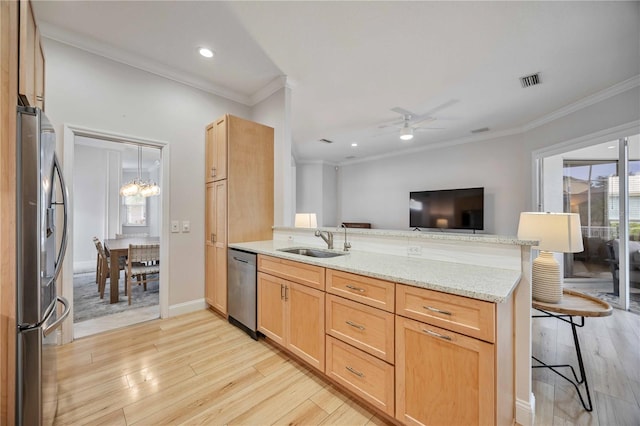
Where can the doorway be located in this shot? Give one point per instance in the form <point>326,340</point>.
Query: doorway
<point>586,180</point>
<point>96,164</point>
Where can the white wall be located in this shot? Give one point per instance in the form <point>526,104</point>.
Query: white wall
<point>275,111</point>
<point>90,91</point>
<point>317,191</point>
<point>89,187</point>
<point>378,191</point>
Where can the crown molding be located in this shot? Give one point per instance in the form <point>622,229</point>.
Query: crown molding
<point>600,96</point>
<point>437,145</point>
<point>99,48</point>
<point>272,87</point>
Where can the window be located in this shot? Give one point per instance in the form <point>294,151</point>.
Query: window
<point>135,210</point>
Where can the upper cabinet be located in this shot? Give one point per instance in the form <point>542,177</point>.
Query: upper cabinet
<point>216,150</point>
<point>31,59</point>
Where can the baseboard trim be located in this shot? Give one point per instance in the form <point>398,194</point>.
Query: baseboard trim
<point>187,307</point>
<point>526,411</point>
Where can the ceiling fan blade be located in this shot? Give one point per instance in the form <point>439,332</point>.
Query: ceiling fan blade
<point>403,111</point>
<point>424,120</point>
<point>443,106</point>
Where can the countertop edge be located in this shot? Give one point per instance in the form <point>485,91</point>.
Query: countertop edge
<point>509,278</point>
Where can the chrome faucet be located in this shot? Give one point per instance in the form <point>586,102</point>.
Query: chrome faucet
<point>347,245</point>
<point>328,239</point>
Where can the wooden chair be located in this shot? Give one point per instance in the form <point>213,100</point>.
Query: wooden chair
<point>96,241</point>
<point>104,266</point>
<point>142,261</point>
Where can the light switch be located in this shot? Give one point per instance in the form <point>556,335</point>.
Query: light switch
<point>175,226</point>
<point>186,226</point>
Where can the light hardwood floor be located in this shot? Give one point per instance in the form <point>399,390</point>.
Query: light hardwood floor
<point>198,369</point>
<point>193,369</point>
<point>611,353</point>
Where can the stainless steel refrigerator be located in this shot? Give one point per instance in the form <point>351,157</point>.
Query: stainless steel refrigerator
<point>41,198</point>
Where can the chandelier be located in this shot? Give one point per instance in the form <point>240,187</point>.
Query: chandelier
<point>138,186</point>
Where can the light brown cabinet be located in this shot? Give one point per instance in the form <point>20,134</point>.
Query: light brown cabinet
<point>216,150</point>
<point>454,359</point>
<point>238,195</point>
<point>292,315</point>
<point>442,377</point>
<point>31,59</point>
<point>216,246</point>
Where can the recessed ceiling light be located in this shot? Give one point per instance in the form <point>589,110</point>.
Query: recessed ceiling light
<point>207,53</point>
<point>354,144</point>
<point>611,147</point>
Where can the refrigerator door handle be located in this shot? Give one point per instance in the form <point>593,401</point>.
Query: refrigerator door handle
<point>65,202</point>
<point>62,317</point>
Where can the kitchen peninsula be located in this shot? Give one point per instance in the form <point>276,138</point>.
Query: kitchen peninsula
<point>413,323</point>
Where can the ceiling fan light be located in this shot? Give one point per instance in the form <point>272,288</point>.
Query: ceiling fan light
<point>406,133</point>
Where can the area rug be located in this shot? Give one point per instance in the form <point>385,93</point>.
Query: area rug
<point>88,305</point>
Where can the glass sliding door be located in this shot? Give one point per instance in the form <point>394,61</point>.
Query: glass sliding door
<point>587,181</point>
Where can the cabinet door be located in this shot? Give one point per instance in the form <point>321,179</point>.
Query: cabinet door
<point>220,245</point>
<point>271,307</point>
<point>219,154</point>
<point>208,153</point>
<point>442,377</point>
<point>27,65</point>
<point>209,224</point>
<point>305,320</point>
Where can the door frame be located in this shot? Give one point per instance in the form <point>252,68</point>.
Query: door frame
<point>617,133</point>
<point>70,133</point>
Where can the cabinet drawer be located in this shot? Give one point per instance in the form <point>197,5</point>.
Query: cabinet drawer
<point>309,275</point>
<point>370,291</point>
<point>362,326</point>
<point>475,318</point>
<point>363,374</point>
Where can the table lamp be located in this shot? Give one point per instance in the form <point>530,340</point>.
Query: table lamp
<point>555,232</point>
<point>306,220</point>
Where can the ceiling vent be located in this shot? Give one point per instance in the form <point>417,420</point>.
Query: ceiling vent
<point>484,129</point>
<point>530,80</point>
<point>325,140</point>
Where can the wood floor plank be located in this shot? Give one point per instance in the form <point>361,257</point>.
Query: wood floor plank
<point>199,369</point>
<point>349,413</point>
<point>307,413</point>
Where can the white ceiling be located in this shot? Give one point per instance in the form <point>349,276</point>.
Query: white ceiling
<point>349,63</point>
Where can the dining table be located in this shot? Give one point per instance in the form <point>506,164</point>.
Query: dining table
<point>117,248</point>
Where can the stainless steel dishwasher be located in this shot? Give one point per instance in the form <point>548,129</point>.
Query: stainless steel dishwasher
<point>241,290</point>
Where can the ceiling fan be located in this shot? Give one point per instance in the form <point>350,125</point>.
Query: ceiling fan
<point>411,122</point>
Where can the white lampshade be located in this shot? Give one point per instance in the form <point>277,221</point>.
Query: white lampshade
<point>306,220</point>
<point>557,232</point>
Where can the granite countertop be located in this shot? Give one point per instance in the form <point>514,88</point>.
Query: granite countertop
<point>479,282</point>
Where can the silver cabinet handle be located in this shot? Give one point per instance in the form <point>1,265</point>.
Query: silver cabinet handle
<point>429,308</point>
<point>213,238</point>
<point>354,325</point>
<point>434,334</point>
<point>281,291</point>
<point>286,293</point>
<point>354,371</point>
<point>350,287</point>
<point>213,172</point>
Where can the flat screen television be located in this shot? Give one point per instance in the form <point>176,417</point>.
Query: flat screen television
<point>447,209</point>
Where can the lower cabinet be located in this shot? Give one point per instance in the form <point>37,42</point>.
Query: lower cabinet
<point>443,377</point>
<point>292,315</point>
<point>365,375</point>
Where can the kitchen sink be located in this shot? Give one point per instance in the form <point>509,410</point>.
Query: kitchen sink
<point>312,252</point>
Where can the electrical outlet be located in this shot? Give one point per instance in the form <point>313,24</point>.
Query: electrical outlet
<point>186,226</point>
<point>175,226</point>
<point>414,250</point>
